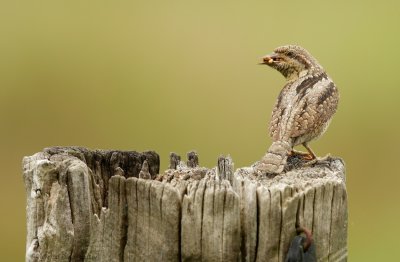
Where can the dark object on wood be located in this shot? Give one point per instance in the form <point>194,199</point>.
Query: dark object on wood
<point>193,159</point>
<point>302,248</point>
<point>85,205</point>
<point>174,160</point>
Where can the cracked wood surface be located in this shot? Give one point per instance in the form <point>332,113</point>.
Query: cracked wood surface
<point>99,205</point>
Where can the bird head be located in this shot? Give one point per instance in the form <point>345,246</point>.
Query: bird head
<point>292,61</point>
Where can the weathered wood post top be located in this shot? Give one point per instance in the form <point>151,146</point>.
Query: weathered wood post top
<point>105,205</point>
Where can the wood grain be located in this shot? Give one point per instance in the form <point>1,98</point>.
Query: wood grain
<point>85,205</point>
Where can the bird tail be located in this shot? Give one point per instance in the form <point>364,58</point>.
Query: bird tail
<point>274,160</point>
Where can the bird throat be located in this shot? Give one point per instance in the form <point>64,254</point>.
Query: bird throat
<point>292,73</point>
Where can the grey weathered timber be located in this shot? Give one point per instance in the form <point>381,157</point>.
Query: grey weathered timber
<point>313,197</point>
<point>99,205</point>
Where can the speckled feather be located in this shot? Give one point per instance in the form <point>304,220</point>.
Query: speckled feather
<point>300,114</point>
<point>304,107</point>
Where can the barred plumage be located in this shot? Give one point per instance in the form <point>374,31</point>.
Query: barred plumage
<point>304,106</point>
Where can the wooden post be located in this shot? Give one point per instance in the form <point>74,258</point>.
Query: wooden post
<point>85,205</point>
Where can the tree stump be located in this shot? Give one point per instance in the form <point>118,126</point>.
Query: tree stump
<point>99,205</point>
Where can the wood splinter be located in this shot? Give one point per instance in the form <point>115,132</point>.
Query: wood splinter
<point>193,159</point>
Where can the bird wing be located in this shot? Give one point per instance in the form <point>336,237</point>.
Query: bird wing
<point>314,108</point>
<point>277,114</point>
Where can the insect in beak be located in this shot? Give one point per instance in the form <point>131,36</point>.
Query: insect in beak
<point>270,59</point>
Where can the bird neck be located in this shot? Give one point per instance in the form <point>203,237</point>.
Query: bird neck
<point>294,75</point>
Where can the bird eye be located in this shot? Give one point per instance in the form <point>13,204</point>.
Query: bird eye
<point>289,53</point>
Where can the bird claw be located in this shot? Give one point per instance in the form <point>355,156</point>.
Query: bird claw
<point>302,155</point>
<point>317,160</point>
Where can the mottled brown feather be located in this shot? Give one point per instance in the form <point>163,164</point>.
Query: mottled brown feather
<point>304,107</point>
<point>316,113</point>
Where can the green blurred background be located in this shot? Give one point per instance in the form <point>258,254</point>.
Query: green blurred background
<point>182,75</point>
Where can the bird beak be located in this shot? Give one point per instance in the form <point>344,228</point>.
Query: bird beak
<point>269,59</point>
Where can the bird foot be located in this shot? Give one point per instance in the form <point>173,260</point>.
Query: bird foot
<point>303,155</point>
<point>317,160</point>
